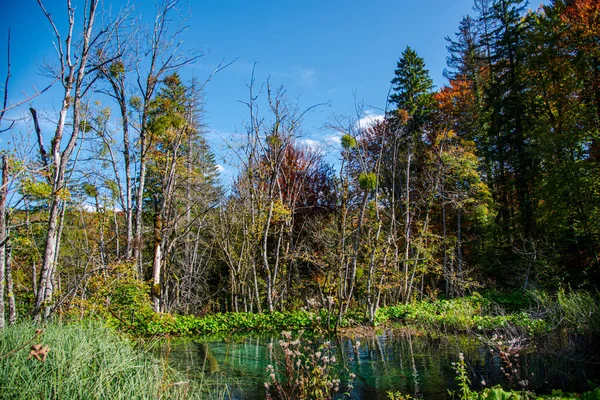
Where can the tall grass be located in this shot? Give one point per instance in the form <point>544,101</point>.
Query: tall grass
<point>86,361</point>
<point>578,311</point>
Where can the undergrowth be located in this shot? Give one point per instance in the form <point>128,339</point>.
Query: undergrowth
<point>578,311</point>
<point>122,300</point>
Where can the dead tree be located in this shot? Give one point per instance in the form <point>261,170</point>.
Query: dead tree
<point>73,56</point>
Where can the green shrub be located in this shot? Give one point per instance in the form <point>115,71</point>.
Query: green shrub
<point>226,323</point>
<point>513,301</point>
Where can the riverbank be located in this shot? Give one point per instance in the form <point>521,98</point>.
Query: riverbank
<point>102,350</point>
<point>87,359</point>
<point>577,311</point>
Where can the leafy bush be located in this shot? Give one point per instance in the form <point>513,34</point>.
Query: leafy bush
<point>225,323</point>
<point>513,301</point>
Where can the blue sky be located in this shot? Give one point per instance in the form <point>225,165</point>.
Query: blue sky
<point>329,51</point>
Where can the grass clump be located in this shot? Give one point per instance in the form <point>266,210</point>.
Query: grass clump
<point>577,311</point>
<point>85,361</point>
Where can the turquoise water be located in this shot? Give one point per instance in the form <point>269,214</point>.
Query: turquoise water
<point>392,361</point>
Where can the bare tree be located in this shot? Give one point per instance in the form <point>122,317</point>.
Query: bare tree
<point>72,72</point>
<point>5,105</point>
<point>3,195</point>
<point>116,74</point>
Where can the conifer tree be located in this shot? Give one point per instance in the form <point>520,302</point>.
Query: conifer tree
<point>412,88</point>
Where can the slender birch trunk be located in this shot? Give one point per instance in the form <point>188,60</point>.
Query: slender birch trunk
<point>72,74</point>
<point>3,236</point>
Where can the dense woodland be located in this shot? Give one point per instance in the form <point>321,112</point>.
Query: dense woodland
<point>490,182</point>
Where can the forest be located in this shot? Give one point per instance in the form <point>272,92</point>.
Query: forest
<point>489,184</point>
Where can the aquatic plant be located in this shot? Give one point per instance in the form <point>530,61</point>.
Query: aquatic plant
<point>305,372</point>
<point>578,311</point>
<point>398,396</point>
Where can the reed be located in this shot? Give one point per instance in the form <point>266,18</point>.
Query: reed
<point>86,360</point>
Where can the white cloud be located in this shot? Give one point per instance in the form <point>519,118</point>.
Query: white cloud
<point>334,139</point>
<point>220,168</point>
<point>88,207</point>
<point>92,208</point>
<point>369,119</point>
<point>311,144</point>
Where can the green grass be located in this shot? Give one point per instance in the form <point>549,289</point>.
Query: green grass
<point>86,361</point>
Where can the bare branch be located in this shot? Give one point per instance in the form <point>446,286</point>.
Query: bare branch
<point>8,75</point>
<point>38,131</point>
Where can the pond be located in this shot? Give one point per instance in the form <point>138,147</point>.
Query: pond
<point>414,364</point>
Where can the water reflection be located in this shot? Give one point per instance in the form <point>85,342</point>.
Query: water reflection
<point>391,361</point>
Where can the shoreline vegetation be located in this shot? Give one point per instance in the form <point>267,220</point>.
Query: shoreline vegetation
<point>102,351</point>
<point>529,314</point>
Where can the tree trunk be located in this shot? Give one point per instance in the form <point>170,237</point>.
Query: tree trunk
<point>407,222</point>
<point>156,265</point>
<point>44,293</point>
<point>72,75</point>
<point>265,258</point>
<point>137,244</point>
<point>459,245</point>
<point>355,255</point>
<point>3,236</point>
<point>10,294</point>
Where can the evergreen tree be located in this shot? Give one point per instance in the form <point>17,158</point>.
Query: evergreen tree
<point>412,88</point>
<point>468,72</point>
<point>511,119</point>
<point>464,54</point>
